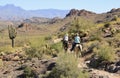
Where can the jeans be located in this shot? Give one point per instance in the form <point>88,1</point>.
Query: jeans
<point>73,46</point>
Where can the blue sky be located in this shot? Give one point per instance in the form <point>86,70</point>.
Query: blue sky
<point>97,6</point>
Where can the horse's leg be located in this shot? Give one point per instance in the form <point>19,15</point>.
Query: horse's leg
<point>75,51</point>
<point>80,50</point>
<point>80,47</point>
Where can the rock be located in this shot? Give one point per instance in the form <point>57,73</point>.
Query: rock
<point>94,62</point>
<point>118,63</point>
<point>6,58</point>
<point>6,72</point>
<point>117,70</point>
<point>34,60</point>
<point>41,70</point>
<point>75,12</point>
<point>114,10</point>
<point>107,35</point>
<point>16,58</point>
<point>50,66</point>
<point>103,77</point>
<point>111,68</point>
<point>2,53</point>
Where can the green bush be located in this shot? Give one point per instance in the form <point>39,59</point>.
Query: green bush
<point>81,24</point>
<point>48,38</point>
<point>113,30</point>
<point>115,18</point>
<point>66,67</point>
<point>33,52</point>
<point>96,36</point>
<point>105,52</point>
<point>28,73</point>
<point>57,47</point>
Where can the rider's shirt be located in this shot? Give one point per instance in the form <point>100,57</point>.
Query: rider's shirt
<point>77,39</point>
<point>65,38</point>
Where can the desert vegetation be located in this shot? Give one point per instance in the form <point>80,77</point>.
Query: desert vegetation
<point>35,53</point>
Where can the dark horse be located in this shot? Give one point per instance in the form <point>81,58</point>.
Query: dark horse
<point>65,45</point>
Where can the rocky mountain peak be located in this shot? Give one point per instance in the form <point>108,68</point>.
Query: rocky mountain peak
<point>83,12</point>
<point>114,10</point>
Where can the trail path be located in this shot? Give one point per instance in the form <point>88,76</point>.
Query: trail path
<point>96,72</point>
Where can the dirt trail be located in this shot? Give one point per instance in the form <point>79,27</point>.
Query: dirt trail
<point>104,73</point>
<point>96,72</point>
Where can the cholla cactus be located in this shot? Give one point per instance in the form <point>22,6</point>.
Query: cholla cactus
<point>12,34</point>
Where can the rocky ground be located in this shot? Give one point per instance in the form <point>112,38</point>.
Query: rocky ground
<point>14,65</point>
<point>97,73</point>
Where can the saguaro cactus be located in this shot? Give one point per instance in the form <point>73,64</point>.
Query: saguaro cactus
<point>12,34</point>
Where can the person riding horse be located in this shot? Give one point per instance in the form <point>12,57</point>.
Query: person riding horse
<point>76,46</point>
<point>76,41</point>
<point>65,42</point>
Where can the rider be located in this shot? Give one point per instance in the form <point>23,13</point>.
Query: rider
<point>76,41</point>
<point>65,40</point>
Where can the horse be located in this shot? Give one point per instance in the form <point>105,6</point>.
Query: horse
<point>78,50</point>
<point>65,45</point>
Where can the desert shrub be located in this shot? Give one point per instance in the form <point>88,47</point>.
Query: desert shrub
<point>66,67</point>
<point>107,25</point>
<point>37,41</point>
<point>91,44</point>
<point>33,52</point>
<point>47,50</point>
<point>118,31</point>
<point>80,24</point>
<point>96,36</point>
<point>115,41</point>
<point>39,52</point>
<point>48,38</point>
<point>105,52</point>
<point>28,73</point>
<point>115,18</point>
<point>7,49</point>
<point>113,30</point>
<point>57,47</point>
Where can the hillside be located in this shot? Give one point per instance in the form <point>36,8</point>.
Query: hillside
<point>39,52</point>
<point>103,17</point>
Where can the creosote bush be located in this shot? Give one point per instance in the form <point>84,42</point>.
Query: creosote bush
<point>33,52</point>
<point>28,72</point>
<point>66,67</point>
<point>105,52</point>
<point>47,49</point>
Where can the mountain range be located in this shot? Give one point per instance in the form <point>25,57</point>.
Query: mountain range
<point>12,12</point>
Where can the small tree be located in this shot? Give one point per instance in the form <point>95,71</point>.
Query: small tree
<point>12,34</point>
